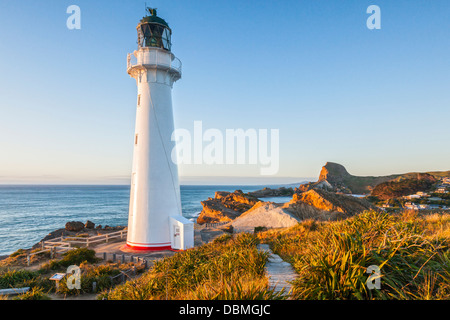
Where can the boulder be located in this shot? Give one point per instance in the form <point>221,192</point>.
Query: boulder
<point>75,226</point>
<point>89,225</point>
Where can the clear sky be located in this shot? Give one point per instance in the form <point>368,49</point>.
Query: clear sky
<point>376,101</point>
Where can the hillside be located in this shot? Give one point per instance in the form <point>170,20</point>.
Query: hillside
<point>335,177</point>
<point>402,187</point>
<point>323,205</point>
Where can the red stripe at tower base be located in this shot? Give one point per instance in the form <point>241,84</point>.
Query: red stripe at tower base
<point>142,248</point>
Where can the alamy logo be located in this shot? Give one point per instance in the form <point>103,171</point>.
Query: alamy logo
<point>374,279</point>
<point>235,146</point>
<point>74,278</point>
<point>374,21</point>
<point>74,20</point>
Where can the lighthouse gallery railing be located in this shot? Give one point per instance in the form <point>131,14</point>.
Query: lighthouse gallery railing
<point>156,58</point>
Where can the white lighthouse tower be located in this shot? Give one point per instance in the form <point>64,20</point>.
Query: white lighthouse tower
<point>154,220</point>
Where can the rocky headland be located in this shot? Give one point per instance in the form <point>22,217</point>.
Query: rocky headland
<point>335,177</point>
<point>225,206</point>
<point>269,192</point>
<point>324,205</point>
<point>237,207</point>
<point>331,197</point>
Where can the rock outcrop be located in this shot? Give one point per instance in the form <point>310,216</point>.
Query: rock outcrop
<point>268,192</point>
<point>334,177</point>
<point>225,206</point>
<point>324,205</point>
<point>74,226</point>
<point>89,225</point>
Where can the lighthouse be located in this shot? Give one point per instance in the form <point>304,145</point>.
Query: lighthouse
<point>155,220</point>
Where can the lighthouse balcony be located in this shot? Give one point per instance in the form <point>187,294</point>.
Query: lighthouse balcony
<point>154,59</point>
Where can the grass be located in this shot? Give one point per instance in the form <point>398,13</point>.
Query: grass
<point>72,257</point>
<point>331,258</point>
<point>102,276</point>
<point>227,268</point>
<point>40,285</point>
<point>33,294</point>
<point>16,278</point>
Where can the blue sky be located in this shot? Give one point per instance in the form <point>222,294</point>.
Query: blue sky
<point>376,101</point>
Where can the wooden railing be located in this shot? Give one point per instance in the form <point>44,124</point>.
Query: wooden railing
<point>63,244</point>
<point>216,224</point>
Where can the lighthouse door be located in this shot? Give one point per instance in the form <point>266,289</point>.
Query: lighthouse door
<point>176,236</point>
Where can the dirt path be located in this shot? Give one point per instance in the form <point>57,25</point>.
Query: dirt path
<point>279,272</point>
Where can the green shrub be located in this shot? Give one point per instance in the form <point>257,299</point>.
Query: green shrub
<point>16,278</point>
<point>259,229</point>
<point>33,294</point>
<point>101,275</point>
<point>18,253</point>
<point>72,257</point>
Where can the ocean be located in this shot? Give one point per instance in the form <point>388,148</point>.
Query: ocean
<point>29,212</point>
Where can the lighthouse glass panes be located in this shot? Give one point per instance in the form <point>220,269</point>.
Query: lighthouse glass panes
<point>154,35</point>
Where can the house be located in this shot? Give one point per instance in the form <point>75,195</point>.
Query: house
<point>412,196</point>
<point>441,190</point>
<point>418,195</point>
<point>411,206</point>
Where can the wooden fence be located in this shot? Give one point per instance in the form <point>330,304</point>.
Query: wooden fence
<point>123,258</point>
<point>213,225</point>
<point>63,244</point>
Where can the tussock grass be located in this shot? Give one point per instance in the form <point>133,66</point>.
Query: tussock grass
<point>227,268</point>
<point>331,258</point>
<point>33,294</point>
<point>40,285</point>
<point>16,278</point>
<point>72,257</point>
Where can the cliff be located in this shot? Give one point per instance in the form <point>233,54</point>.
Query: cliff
<point>324,205</point>
<point>324,199</point>
<point>334,177</point>
<point>225,206</point>
<point>315,204</point>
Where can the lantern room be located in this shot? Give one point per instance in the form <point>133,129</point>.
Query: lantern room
<point>154,31</point>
